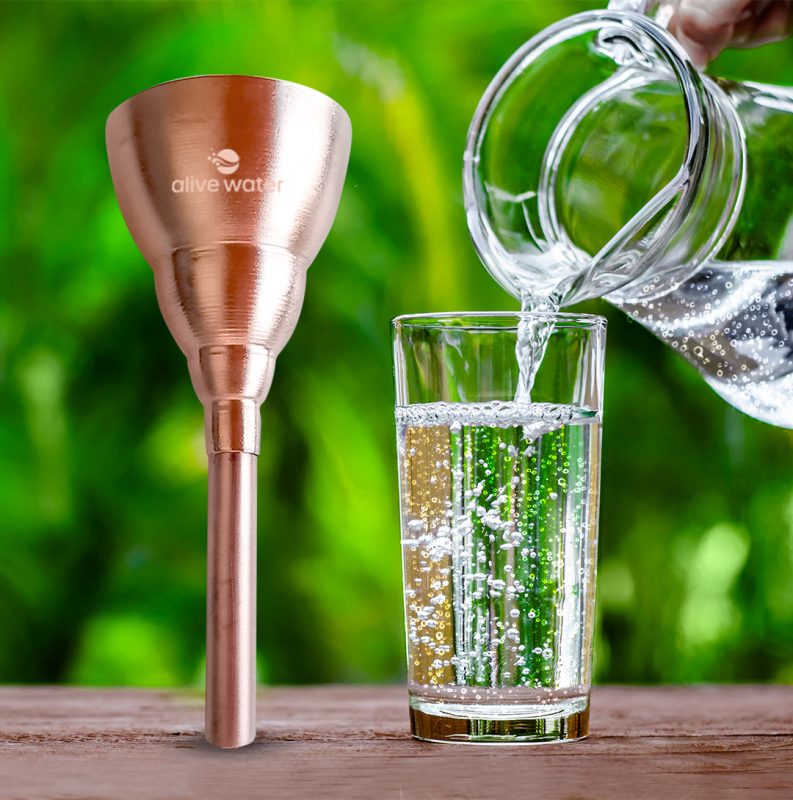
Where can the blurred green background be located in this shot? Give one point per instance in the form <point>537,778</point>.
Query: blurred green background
<point>102,470</point>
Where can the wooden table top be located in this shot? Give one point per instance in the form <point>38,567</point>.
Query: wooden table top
<point>683,743</point>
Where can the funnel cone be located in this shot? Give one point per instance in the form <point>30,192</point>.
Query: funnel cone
<point>229,185</point>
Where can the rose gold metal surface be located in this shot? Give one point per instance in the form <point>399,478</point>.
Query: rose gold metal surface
<point>229,185</point>
<point>231,600</point>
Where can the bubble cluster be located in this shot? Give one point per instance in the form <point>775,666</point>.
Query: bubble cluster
<point>499,507</point>
<point>538,418</point>
<point>734,323</point>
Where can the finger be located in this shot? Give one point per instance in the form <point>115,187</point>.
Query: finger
<point>773,23</point>
<point>705,27</point>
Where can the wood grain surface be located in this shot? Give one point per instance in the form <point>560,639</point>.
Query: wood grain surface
<point>683,743</point>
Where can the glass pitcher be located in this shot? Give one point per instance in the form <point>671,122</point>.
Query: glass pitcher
<point>601,163</point>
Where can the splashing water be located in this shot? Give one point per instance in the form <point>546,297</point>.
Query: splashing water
<point>533,336</point>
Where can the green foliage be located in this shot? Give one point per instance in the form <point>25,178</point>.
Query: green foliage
<point>102,473</point>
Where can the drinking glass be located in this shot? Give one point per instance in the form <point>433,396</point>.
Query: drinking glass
<point>499,491</point>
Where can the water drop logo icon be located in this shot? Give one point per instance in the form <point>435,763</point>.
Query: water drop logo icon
<point>226,161</point>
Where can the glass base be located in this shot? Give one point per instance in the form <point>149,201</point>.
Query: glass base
<point>489,724</point>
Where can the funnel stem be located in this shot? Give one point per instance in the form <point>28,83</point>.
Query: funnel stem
<point>231,600</point>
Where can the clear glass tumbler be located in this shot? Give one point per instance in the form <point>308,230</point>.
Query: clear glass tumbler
<point>499,506</point>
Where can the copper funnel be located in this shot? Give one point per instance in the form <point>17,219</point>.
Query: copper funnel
<point>229,185</point>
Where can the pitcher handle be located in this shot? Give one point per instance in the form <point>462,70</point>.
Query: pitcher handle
<point>664,9</point>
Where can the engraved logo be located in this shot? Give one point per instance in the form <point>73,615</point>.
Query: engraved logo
<point>226,161</point>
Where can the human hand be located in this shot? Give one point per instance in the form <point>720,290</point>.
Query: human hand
<point>706,27</point>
